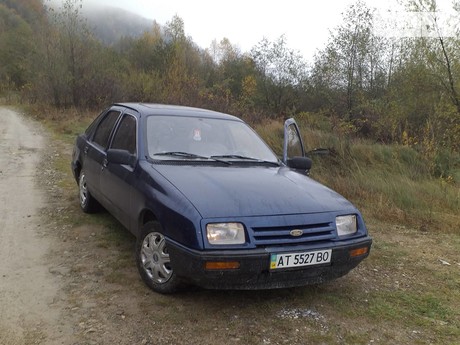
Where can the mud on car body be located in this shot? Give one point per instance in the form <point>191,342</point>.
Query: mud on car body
<point>211,204</point>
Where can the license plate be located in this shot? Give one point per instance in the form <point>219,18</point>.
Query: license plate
<point>289,260</point>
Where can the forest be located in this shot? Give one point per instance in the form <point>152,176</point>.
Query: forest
<point>388,90</point>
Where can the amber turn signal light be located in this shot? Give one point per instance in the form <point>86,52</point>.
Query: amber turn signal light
<point>359,251</point>
<point>221,265</point>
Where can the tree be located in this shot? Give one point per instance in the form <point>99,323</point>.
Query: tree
<point>353,60</point>
<point>16,40</point>
<point>181,83</point>
<point>148,52</point>
<point>281,70</point>
<point>441,50</point>
<point>74,48</point>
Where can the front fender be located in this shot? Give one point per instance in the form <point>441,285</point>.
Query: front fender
<point>177,215</point>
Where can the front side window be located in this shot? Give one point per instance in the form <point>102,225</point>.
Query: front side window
<point>294,144</point>
<point>125,137</point>
<point>102,134</point>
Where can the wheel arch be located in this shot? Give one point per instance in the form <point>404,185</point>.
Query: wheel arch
<point>176,224</point>
<point>145,216</point>
<point>77,169</point>
<point>76,166</point>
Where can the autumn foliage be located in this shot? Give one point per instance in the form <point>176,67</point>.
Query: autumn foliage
<point>388,90</point>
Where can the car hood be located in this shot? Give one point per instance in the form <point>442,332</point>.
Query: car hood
<point>251,191</point>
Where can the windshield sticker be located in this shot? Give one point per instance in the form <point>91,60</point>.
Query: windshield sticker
<point>197,134</point>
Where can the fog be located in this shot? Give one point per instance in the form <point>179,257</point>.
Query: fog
<point>305,24</point>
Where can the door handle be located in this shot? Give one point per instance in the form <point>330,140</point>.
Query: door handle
<point>104,163</point>
<point>85,150</point>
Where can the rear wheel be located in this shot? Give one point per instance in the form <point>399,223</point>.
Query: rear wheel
<point>153,261</point>
<point>87,203</point>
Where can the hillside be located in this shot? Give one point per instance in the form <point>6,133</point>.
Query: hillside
<point>110,24</point>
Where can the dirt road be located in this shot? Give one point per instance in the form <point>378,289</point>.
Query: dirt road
<point>30,305</point>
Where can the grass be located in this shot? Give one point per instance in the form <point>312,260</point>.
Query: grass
<point>402,293</point>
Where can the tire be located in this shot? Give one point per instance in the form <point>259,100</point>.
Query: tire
<point>87,202</point>
<point>153,261</point>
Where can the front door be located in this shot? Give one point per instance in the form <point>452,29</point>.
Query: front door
<point>118,180</point>
<point>293,145</point>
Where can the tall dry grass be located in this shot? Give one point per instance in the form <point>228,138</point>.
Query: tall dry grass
<point>391,183</point>
<point>387,182</point>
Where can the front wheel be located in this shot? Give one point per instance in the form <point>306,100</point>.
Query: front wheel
<point>153,261</point>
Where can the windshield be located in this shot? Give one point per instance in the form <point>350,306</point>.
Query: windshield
<point>180,137</point>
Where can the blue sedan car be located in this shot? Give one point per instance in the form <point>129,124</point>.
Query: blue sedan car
<point>210,203</point>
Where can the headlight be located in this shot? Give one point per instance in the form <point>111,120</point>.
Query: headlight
<point>225,233</point>
<point>346,225</point>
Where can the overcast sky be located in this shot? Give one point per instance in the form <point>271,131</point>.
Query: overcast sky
<point>305,23</point>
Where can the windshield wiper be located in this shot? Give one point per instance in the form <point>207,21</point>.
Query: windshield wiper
<point>236,157</point>
<point>240,157</point>
<point>179,154</point>
<point>189,155</point>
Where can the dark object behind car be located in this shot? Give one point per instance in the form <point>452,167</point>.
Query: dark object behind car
<point>211,204</point>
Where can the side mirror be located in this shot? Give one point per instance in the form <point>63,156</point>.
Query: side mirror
<point>299,163</point>
<point>120,157</point>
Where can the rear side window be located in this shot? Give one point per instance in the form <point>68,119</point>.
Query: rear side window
<point>101,137</point>
<point>125,137</point>
<point>90,130</point>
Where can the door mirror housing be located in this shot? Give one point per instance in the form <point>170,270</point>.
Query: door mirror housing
<point>299,163</point>
<point>116,156</point>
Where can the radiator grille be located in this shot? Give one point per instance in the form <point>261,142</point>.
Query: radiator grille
<point>281,235</point>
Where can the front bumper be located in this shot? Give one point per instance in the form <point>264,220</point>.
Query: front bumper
<point>254,271</point>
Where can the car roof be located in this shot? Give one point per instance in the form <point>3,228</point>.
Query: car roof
<point>175,110</point>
